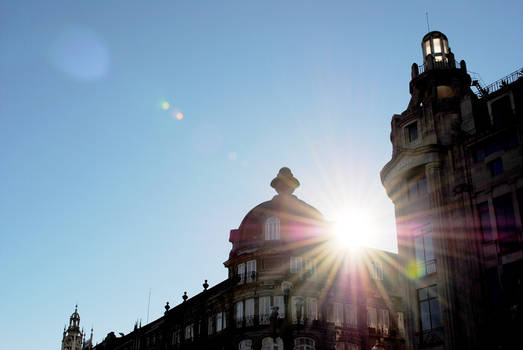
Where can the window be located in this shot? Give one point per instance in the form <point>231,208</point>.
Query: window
<point>506,223</point>
<point>417,186</point>
<point>296,264</point>
<point>429,308</point>
<point>240,271</point>
<point>278,302</point>
<point>351,316</point>
<point>377,270</point>
<point>383,321</point>
<point>251,270</point>
<point>335,313</point>
<point>221,321</point>
<point>501,110</point>
<point>189,332</point>
<point>239,314</point>
<point>303,343</point>
<point>269,344</point>
<point>309,267</point>
<point>312,309</point>
<point>249,312</point>
<point>272,228</point>
<point>424,250</point>
<point>210,325</point>
<point>245,345</point>
<point>412,131</point>
<point>340,346</point>
<point>264,313</point>
<point>401,323</point>
<point>484,222</point>
<point>372,317</point>
<point>297,309</point>
<point>495,167</point>
<point>351,346</point>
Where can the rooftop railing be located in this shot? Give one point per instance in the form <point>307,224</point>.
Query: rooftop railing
<point>498,84</point>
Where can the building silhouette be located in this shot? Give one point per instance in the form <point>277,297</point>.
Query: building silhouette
<point>286,289</point>
<point>74,337</point>
<point>456,181</point>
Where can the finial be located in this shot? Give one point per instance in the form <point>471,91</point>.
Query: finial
<point>285,182</point>
<point>205,285</point>
<point>167,307</point>
<point>185,297</point>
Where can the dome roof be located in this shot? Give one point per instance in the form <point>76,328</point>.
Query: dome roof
<point>297,219</point>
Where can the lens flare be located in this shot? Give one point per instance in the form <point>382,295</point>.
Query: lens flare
<point>352,227</point>
<point>179,115</point>
<point>165,105</point>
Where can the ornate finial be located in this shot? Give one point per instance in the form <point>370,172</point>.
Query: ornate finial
<point>205,285</point>
<point>167,307</point>
<point>285,182</point>
<point>185,297</point>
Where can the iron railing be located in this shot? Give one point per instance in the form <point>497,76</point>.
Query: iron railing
<point>498,84</point>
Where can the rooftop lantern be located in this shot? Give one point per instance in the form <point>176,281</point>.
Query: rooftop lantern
<point>436,51</point>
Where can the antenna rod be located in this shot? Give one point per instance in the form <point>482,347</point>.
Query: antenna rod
<point>148,305</point>
<point>427,18</point>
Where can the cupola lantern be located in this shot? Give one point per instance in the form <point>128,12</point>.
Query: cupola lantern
<point>436,51</point>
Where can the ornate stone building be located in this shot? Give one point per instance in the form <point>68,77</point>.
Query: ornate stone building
<point>456,181</point>
<point>74,338</point>
<point>287,288</point>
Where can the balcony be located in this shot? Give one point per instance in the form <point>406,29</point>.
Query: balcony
<point>427,267</point>
<point>430,337</point>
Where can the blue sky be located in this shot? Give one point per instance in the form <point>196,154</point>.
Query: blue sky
<point>103,194</point>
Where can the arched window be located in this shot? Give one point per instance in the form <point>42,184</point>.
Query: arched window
<point>272,228</point>
<point>303,343</point>
<point>245,345</point>
<point>269,344</point>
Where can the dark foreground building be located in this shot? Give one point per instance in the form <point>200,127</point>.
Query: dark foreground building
<point>288,288</point>
<point>456,180</point>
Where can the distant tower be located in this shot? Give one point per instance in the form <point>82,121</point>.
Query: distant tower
<point>73,336</point>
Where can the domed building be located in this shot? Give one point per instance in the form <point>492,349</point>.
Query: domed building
<point>287,288</point>
<point>74,337</point>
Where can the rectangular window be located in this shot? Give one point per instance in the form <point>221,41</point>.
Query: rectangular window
<point>338,314</point>
<point>372,317</point>
<point>296,264</point>
<point>417,186</point>
<point>239,314</point>
<point>240,271</point>
<point>210,327</point>
<point>501,111</point>
<point>429,308</point>
<point>249,312</point>
<point>437,45</point>
<point>401,324</point>
<point>484,222</point>
<point>251,271</point>
<point>352,346</point>
<point>383,321</point>
<point>297,308</point>
<point>189,332</point>
<point>424,250</point>
<point>264,313</point>
<point>278,302</point>
<point>506,223</point>
<point>412,131</point>
<point>495,167</point>
<point>309,267</point>
<point>219,322</point>
<point>351,316</point>
<point>312,309</point>
<point>377,270</point>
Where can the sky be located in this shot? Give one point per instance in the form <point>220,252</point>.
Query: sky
<point>136,134</point>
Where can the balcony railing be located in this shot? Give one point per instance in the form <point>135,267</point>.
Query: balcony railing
<point>265,319</point>
<point>427,267</point>
<point>438,65</point>
<point>498,84</point>
<point>430,337</point>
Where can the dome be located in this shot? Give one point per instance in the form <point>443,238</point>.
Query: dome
<point>291,218</point>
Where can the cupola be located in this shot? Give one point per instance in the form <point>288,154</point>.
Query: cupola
<point>436,51</point>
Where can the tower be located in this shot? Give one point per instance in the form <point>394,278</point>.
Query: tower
<point>454,179</point>
<point>73,337</point>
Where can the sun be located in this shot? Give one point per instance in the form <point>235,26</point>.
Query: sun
<point>352,227</point>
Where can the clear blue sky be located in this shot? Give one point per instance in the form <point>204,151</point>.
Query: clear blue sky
<point>103,194</point>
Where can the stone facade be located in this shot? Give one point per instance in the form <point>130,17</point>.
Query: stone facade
<point>74,338</point>
<point>456,181</point>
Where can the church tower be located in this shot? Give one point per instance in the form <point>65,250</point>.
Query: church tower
<point>74,338</point>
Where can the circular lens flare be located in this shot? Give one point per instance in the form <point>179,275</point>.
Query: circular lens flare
<point>179,116</point>
<point>165,105</point>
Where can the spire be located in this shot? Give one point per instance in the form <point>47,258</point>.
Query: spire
<point>285,182</point>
